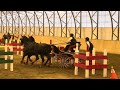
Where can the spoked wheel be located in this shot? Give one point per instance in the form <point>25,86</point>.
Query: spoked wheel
<point>66,61</point>
<point>57,58</point>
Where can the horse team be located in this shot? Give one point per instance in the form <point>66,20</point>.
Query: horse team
<point>32,48</point>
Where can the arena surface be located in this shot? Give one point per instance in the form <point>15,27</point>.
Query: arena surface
<point>29,71</point>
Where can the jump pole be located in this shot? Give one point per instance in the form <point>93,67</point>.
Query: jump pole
<point>105,63</point>
<point>93,61</point>
<point>21,54</point>
<point>11,58</point>
<point>18,47</point>
<point>87,64</point>
<point>6,56</point>
<point>76,60</point>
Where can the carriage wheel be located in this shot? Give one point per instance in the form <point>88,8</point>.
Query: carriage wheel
<point>66,61</point>
<point>57,58</point>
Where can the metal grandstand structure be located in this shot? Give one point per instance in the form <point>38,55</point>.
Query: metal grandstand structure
<point>40,22</point>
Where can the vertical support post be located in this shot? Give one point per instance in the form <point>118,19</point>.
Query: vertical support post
<point>118,24</point>
<point>93,61</point>
<point>105,63</point>
<point>43,24</point>
<point>18,47</point>
<point>50,41</point>
<point>34,24</point>
<point>76,60</point>
<point>6,42</point>
<point>87,64</point>
<point>66,23</point>
<point>54,23</point>
<point>11,58</point>
<point>1,23</point>
<point>21,51</point>
<point>10,41</point>
<point>52,56</point>
<point>12,22</point>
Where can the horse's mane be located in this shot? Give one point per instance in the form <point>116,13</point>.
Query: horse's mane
<point>25,41</point>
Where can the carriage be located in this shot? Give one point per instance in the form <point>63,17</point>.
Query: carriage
<point>66,59</point>
<point>51,51</point>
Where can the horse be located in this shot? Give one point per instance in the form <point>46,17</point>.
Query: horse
<point>33,48</point>
<point>5,36</point>
<point>28,46</point>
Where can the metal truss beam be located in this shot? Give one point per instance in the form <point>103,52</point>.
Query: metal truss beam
<point>115,25</point>
<point>1,23</point>
<point>40,23</point>
<point>63,23</point>
<point>94,24</point>
<point>14,29</point>
<point>51,22</point>
<point>20,20</point>
<point>77,20</point>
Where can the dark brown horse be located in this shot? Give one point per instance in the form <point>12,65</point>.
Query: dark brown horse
<point>33,48</point>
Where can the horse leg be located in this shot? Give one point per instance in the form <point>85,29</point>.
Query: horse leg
<point>42,57</point>
<point>23,58</point>
<point>28,58</point>
<point>48,59</point>
<point>37,58</point>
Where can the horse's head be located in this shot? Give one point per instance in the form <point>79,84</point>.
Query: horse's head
<point>21,41</point>
<point>55,49</point>
<point>24,40</point>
